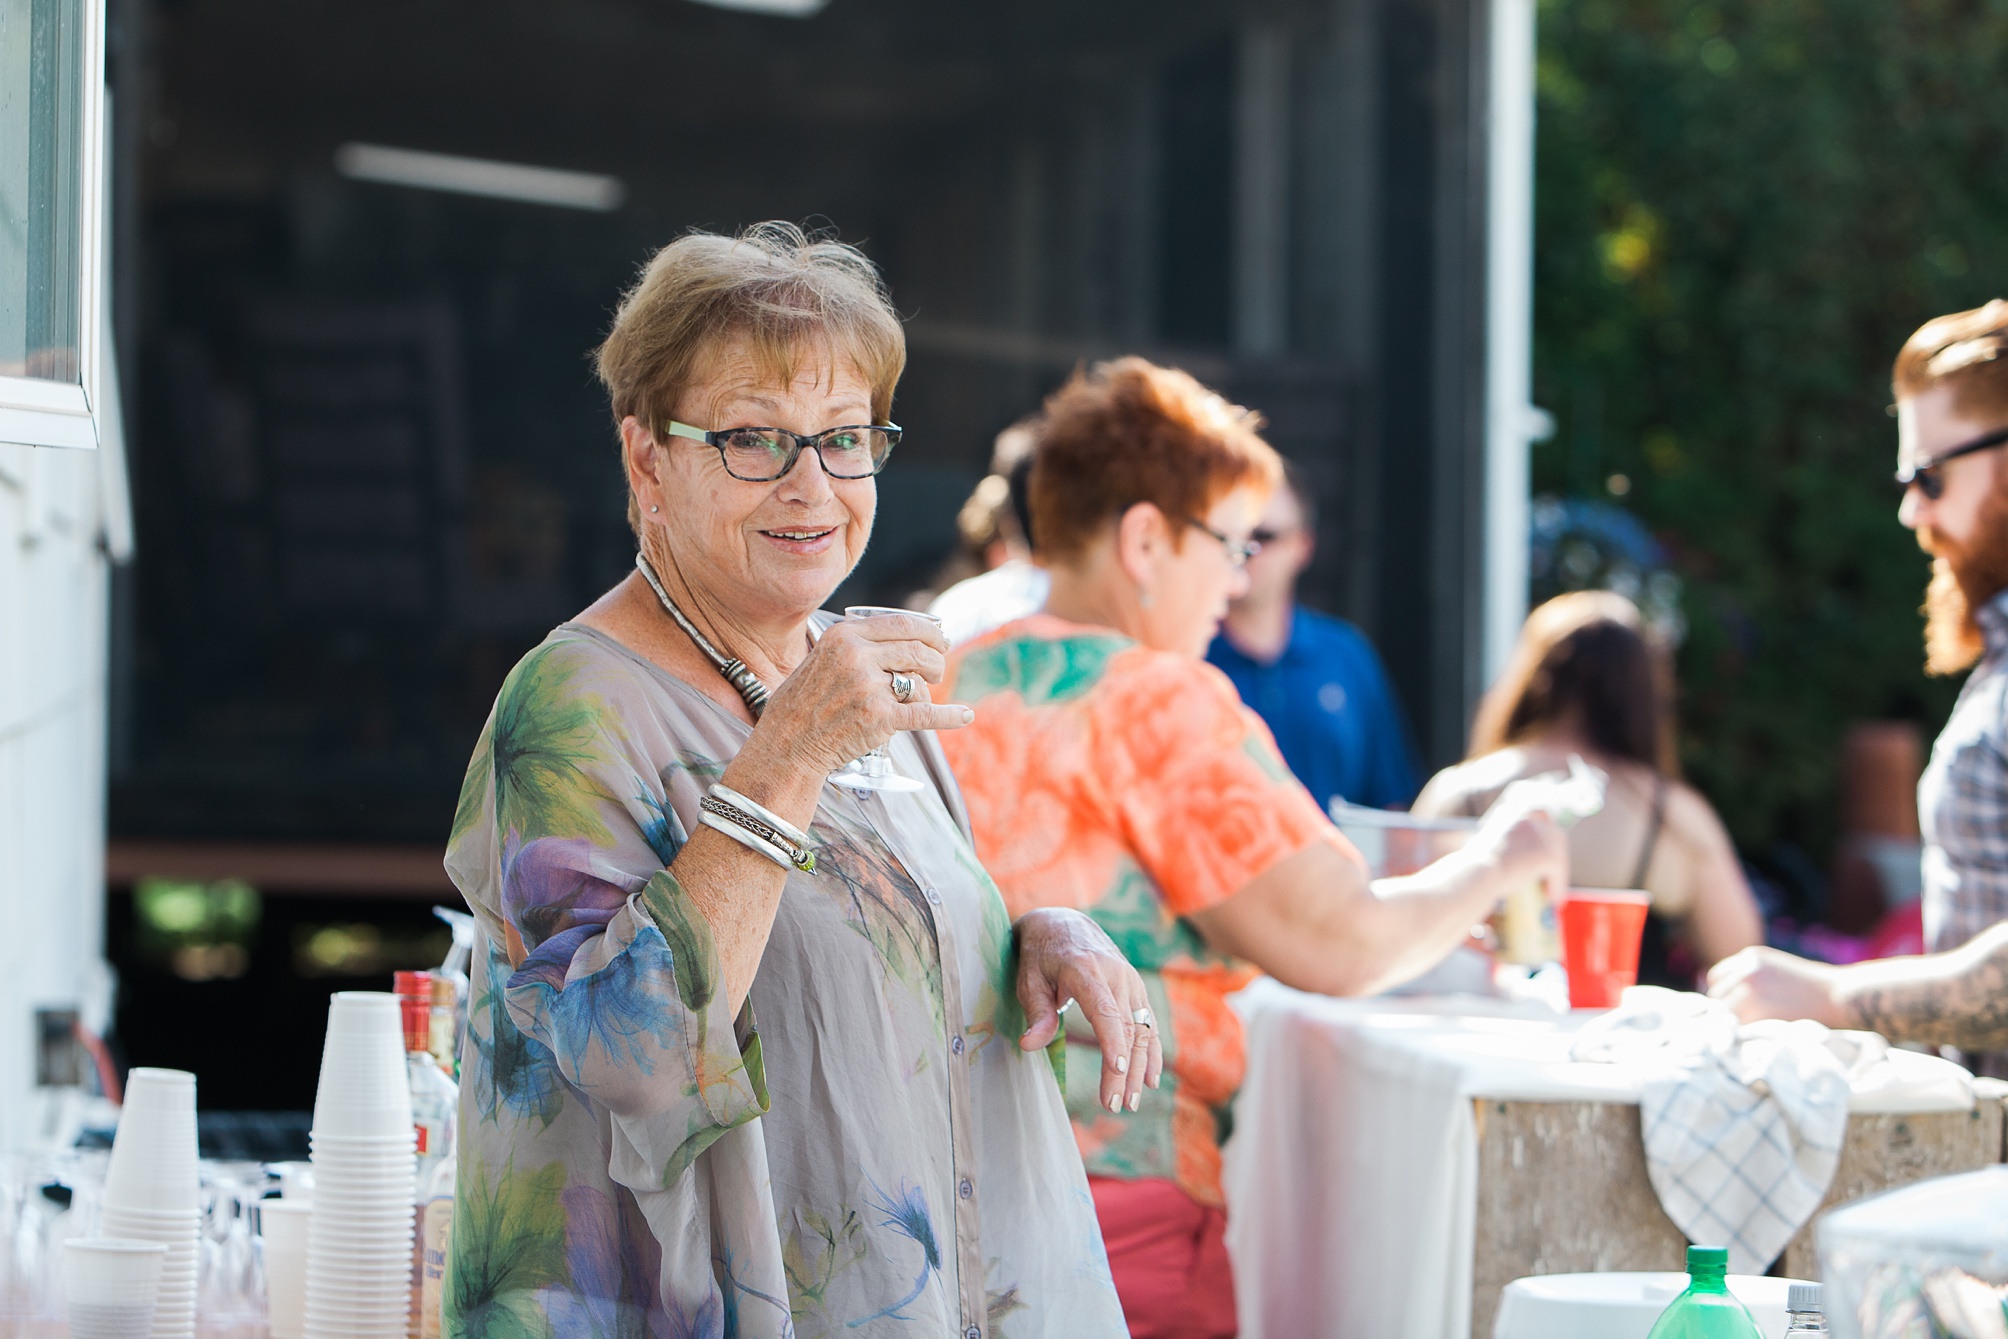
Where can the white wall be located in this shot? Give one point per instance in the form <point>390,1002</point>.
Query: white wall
<point>53,603</point>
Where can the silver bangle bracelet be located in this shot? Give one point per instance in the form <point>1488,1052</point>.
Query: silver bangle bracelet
<point>726,811</point>
<point>746,837</point>
<point>773,820</point>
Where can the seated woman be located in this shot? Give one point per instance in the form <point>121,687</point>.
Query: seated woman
<point>656,860</point>
<point>1584,680</point>
<point>1112,769</point>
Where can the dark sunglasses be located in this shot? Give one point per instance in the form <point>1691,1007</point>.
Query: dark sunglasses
<point>1924,475</point>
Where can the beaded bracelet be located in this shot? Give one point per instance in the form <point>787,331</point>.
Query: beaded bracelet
<point>757,828</point>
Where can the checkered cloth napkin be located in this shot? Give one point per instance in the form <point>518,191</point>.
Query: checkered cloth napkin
<point>1743,1124</point>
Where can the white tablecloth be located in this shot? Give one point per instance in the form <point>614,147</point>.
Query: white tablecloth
<point>1352,1176</point>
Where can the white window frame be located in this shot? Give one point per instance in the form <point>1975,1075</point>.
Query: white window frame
<point>39,412</point>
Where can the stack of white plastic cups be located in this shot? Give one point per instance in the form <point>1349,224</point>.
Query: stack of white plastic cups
<point>365,1176</point>
<point>113,1286</point>
<point>151,1191</point>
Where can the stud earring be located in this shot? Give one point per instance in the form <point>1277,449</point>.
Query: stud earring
<point>655,508</point>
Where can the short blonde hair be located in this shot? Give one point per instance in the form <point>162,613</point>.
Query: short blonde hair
<point>784,293</point>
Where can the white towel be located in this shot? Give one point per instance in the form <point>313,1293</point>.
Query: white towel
<point>1742,1124</point>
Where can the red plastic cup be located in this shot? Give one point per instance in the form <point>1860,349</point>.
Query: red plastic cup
<point>1601,930</point>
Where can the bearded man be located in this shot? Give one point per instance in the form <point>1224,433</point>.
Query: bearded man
<point>1951,385</point>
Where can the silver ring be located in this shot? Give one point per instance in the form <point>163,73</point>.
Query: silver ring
<point>902,687</point>
<point>1143,1018</point>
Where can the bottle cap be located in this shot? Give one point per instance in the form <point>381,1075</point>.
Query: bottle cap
<point>1710,1259</point>
<point>414,1006</point>
<point>1804,1297</point>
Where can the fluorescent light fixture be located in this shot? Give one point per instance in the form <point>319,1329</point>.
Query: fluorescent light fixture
<point>480,176</point>
<point>786,9</point>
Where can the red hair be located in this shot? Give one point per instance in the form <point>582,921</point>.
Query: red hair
<point>1129,431</point>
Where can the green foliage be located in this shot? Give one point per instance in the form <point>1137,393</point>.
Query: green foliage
<point>1743,209</point>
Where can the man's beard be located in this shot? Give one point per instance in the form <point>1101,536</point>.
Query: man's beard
<point>1963,579</point>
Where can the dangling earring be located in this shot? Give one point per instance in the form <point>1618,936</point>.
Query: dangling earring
<point>1143,597</point>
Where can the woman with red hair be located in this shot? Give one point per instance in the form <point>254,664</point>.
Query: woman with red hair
<point>1112,770</point>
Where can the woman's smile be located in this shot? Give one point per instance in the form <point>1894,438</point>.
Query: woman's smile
<point>807,540</point>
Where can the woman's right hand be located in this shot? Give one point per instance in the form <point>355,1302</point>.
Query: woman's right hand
<point>838,704</point>
<point>1521,848</point>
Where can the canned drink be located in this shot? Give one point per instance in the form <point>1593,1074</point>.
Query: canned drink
<point>1526,928</point>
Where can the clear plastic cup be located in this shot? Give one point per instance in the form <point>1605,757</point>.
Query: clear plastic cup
<point>364,1086</point>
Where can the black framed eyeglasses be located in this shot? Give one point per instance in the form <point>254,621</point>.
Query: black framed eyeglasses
<point>1924,476</point>
<point>1239,551</point>
<point>762,455</point>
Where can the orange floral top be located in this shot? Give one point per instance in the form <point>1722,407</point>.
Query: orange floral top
<point>1133,785</point>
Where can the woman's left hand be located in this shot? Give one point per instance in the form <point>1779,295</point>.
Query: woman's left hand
<point>1063,955</point>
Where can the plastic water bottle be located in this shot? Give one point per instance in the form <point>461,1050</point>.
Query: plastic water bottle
<point>1805,1304</point>
<point>1706,1310</point>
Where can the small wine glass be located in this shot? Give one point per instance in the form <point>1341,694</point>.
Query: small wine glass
<point>874,770</point>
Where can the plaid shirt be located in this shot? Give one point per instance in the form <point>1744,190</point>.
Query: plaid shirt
<point>1962,800</point>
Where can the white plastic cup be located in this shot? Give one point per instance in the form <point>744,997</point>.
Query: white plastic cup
<point>174,1304</point>
<point>153,1161</point>
<point>282,1224</point>
<point>364,1088</point>
<point>113,1285</point>
<point>296,1179</point>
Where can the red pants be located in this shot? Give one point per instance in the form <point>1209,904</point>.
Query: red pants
<point>1169,1257</point>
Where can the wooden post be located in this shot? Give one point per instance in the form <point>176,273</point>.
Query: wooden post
<point>1562,1187</point>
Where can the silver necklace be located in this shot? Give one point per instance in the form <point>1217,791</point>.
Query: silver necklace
<point>742,679</point>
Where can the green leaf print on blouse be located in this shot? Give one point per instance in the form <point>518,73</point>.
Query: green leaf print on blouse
<point>1000,1303</point>
<point>883,903</point>
<point>821,1247</point>
<point>689,937</point>
<point>508,1242</point>
<point>544,734</point>
<point>1040,670</point>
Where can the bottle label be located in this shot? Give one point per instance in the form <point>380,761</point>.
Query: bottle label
<point>438,1242</point>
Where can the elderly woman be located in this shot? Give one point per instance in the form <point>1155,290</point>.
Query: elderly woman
<point>1112,770</point>
<point>752,1055</point>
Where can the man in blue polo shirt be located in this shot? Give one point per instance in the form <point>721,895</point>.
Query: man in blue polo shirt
<point>1315,679</point>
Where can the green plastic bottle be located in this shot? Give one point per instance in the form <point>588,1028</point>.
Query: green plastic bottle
<point>1706,1310</point>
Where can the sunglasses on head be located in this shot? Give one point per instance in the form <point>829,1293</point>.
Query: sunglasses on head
<point>1924,476</point>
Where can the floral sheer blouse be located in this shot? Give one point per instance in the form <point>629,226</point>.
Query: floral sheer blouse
<point>862,1150</point>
